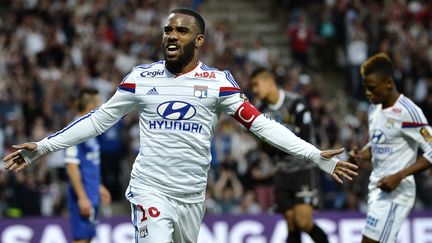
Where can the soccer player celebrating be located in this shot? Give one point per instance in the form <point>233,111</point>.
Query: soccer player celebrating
<point>296,180</point>
<point>397,127</point>
<point>85,191</point>
<point>179,101</point>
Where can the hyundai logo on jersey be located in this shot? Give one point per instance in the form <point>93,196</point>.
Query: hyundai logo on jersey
<point>378,136</point>
<point>174,114</point>
<point>152,73</point>
<point>176,110</point>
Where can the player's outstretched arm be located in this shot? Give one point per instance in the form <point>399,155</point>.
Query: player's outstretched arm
<point>15,160</point>
<point>283,139</point>
<point>234,103</point>
<point>89,125</point>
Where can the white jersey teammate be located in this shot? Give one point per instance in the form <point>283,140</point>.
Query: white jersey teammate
<point>179,101</point>
<point>397,128</point>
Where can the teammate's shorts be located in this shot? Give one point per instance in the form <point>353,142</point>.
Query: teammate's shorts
<point>82,227</point>
<point>300,187</point>
<point>384,219</point>
<point>158,218</point>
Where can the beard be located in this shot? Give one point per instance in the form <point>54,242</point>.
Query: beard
<point>186,55</point>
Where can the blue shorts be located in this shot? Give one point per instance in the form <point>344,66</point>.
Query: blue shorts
<point>82,227</point>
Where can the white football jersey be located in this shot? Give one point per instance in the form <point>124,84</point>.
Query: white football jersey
<point>177,119</point>
<point>395,133</point>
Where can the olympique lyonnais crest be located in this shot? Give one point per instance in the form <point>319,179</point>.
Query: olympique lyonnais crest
<point>200,91</point>
<point>390,123</point>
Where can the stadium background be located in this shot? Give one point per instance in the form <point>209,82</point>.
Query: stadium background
<point>50,49</point>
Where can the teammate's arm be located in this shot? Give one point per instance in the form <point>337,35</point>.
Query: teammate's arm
<point>420,132</point>
<point>356,156</point>
<point>390,182</point>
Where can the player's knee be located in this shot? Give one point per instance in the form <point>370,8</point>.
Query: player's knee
<point>289,217</point>
<point>304,224</point>
<point>368,240</point>
<point>303,217</point>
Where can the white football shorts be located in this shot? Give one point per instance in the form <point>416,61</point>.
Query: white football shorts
<point>158,218</point>
<point>384,220</point>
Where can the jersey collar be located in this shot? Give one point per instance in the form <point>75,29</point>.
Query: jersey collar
<point>170,74</point>
<point>279,102</point>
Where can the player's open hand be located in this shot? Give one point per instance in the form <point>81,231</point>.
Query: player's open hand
<point>390,182</point>
<point>15,161</point>
<point>343,169</point>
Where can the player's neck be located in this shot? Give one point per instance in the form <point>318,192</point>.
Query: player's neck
<point>273,98</point>
<point>179,70</point>
<point>391,100</point>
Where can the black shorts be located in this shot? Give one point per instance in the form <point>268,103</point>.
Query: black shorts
<point>294,188</point>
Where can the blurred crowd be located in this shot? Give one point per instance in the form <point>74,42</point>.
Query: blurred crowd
<point>51,49</point>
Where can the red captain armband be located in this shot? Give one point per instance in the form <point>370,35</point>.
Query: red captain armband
<point>246,114</point>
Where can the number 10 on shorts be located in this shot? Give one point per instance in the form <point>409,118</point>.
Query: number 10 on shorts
<point>152,212</point>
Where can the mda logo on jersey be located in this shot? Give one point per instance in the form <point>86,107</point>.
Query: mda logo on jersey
<point>378,136</point>
<point>176,110</point>
<point>205,75</point>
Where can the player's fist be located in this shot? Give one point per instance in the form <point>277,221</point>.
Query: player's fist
<point>390,182</point>
<point>85,206</point>
<point>15,161</point>
<point>105,195</point>
<point>354,155</point>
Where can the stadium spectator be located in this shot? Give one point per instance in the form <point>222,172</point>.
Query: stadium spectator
<point>262,172</point>
<point>228,191</point>
<point>301,37</point>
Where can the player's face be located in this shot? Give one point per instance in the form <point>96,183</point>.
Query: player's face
<point>260,87</point>
<point>180,40</point>
<point>376,90</point>
<point>96,101</point>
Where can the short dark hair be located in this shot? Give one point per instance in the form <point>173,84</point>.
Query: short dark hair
<point>198,18</point>
<point>85,97</point>
<point>380,65</point>
<point>258,71</point>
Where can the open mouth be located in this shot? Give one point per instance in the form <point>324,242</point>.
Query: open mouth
<point>172,49</point>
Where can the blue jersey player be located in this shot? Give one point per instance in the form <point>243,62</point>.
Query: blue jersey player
<point>83,167</point>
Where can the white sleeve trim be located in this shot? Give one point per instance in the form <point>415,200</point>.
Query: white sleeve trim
<point>72,161</point>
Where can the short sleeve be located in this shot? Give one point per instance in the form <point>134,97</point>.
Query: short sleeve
<point>71,155</point>
<point>230,94</point>
<point>415,126</point>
